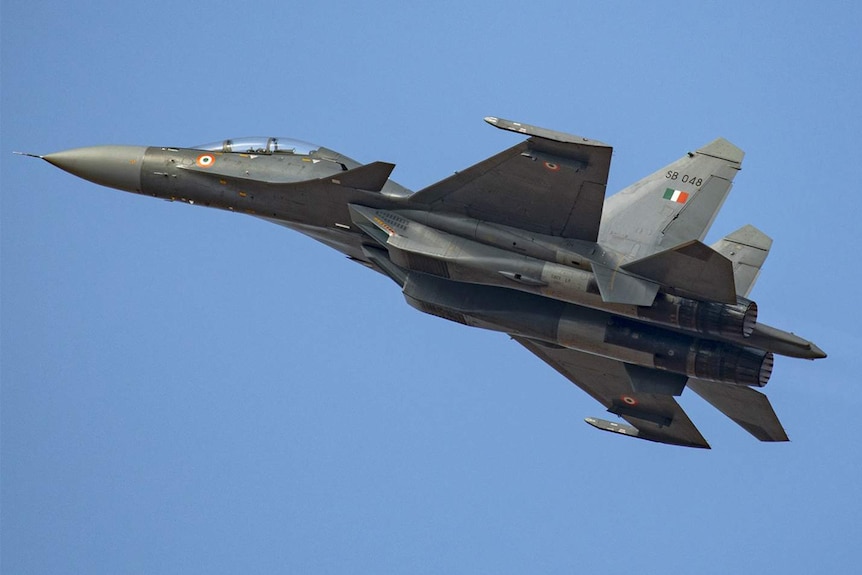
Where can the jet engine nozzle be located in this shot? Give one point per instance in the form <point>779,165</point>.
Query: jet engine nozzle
<point>710,318</point>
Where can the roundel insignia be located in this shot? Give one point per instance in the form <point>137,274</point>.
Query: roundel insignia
<point>629,400</point>
<point>552,166</point>
<point>205,160</point>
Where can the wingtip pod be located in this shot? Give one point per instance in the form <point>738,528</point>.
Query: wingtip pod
<point>631,431</point>
<point>724,150</point>
<point>606,425</point>
<point>544,133</point>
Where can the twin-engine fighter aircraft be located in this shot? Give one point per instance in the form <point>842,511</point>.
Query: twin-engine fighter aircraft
<point>620,296</point>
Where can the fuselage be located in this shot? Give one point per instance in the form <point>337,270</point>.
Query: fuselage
<point>619,295</point>
<point>465,269</point>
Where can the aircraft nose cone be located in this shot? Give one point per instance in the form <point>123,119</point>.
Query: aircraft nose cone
<point>113,166</point>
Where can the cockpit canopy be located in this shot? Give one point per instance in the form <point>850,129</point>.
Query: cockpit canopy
<point>261,145</point>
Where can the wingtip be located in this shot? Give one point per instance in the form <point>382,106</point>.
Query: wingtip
<point>632,431</point>
<point>544,133</point>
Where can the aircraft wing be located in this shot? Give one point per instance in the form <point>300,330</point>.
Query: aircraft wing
<point>552,183</point>
<point>656,417</point>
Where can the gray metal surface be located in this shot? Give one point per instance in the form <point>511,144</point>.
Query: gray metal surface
<point>619,296</point>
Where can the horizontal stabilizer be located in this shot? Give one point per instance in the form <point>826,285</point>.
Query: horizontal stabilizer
<point>619,287</point>
<point>371,177</point>
<point>692,270</point>
<point>750,409</point>
<point>747,249</point>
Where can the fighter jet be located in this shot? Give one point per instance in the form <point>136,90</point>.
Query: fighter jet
<point>619,295</point>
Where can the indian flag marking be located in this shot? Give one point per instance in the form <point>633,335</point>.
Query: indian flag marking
<point>677,196</point>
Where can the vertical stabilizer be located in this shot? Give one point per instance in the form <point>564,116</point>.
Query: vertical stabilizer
<point>746,248</point>
<point>676,204</point>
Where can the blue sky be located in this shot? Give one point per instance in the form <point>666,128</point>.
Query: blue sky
<point>186,390</point>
